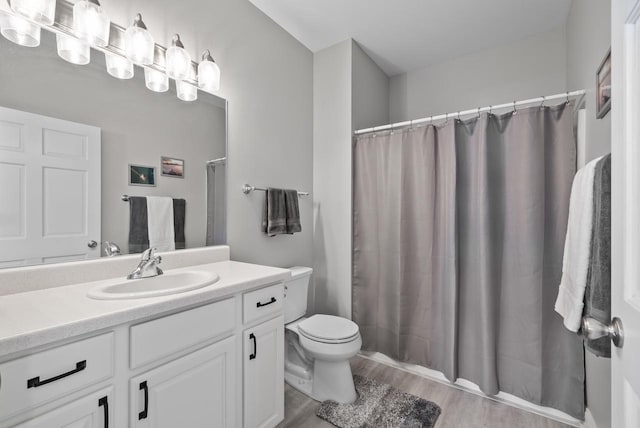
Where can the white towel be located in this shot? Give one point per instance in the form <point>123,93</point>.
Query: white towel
<point>160,223</point>
<point>577,248</point>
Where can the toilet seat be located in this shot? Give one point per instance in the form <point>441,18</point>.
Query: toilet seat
<point>329,329</point>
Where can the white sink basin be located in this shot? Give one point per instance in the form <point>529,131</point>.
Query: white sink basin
<point>161,285</point>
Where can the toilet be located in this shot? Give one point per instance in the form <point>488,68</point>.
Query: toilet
<point>318,348</point>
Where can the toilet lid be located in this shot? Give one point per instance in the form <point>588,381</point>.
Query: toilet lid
<point>328,328</point>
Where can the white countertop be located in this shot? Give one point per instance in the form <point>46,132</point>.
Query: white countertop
<point>41,317</point>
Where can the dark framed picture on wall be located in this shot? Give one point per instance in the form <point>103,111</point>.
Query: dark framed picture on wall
<point>603,87</point>
<point>142,175</point>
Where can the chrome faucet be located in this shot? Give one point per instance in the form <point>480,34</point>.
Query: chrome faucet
<point>148,266</point>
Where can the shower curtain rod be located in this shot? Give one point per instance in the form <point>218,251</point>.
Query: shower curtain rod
<point>478,110</point>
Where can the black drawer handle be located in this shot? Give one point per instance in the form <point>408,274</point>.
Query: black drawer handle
<point>35,382</point>
<point>255,347</point>
<point>104,401</point>
<point>145,388</point>
<point>260,304</point>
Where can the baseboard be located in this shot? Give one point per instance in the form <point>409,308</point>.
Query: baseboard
<point>589,421</point>
<point>468,386</point>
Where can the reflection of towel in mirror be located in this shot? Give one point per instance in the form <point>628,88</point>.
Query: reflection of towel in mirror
<point>160,223</point>
<point>281,214</point>
<point>598,292</point>
<point>179,214</point>
<point>138,234</point>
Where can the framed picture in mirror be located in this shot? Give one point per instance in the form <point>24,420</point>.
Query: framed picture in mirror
<point>142,175</point>
<point>603,87</point>
<point>172,167</point>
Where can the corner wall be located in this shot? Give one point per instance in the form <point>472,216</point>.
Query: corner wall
<point>588,39</point>
<point>350,91</point>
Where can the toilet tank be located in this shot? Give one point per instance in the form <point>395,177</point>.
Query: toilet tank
<point>295,293</point>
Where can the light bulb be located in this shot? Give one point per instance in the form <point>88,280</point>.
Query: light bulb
<point>187,91</point>
<point>208,73</point>
<point>90,23</point>
<point>73,50</point>
<point>40,11</point>
<point>20,31</point>
<point>119,67</point>
<point>138,43</point>
<point>178,65</point>
<point>156,80</point>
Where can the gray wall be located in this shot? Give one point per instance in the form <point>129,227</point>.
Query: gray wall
<point>138,126</point>
<point>588,39</point>
<point>350,91</point>
<point>267,78</point>
<point>517,70</point>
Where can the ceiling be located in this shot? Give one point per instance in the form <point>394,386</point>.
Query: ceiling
<point>405,35</point>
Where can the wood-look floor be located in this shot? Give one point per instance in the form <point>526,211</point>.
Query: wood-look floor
<point>460,409</point>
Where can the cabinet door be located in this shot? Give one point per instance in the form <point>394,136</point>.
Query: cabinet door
<point>264,374</point>
<point>197,390</point>
<point>91,411</point>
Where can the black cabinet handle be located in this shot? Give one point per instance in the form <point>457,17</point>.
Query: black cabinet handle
<point>255,347</point>
<point>145,388</point>
<point>104,401</point>
<point>260,304</point>
<point>35,382</point>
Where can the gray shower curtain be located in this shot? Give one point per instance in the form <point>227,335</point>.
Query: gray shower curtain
<point>457,250</point>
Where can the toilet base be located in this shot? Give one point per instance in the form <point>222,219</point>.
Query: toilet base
<point>332,380</point>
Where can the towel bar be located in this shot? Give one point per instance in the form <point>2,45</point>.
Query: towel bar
<point>247,188</point>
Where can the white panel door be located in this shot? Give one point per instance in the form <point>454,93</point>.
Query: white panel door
<point>91,411</point>
<point>264,374</point>
<point>195,391</point>
<point>50,192</point>
<point>625,249</point>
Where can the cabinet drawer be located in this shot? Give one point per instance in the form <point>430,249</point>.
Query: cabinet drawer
<point>162,337</point>
<point>263,302</point>
<point>30,381</point>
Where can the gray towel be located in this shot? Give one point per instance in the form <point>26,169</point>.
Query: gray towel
<point>598,289</point>
<point>281,214</point>
<point>179,213</point>
<point>293,211</point>
<point>138,225</point>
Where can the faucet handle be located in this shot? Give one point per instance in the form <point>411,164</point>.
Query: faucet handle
<point>148,254</point>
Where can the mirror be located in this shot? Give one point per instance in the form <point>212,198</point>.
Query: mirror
<point>74,140</point>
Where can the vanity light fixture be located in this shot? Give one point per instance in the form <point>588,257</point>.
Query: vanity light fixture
<point>178,60</point>
<point>155,80</point>
<point>118,66</point>
<point>208,73</point>
<point>73,50</point>
<point>90,23</point>
<point>20,31</point>
<point>40,11</point>
<point>139,45</point>
<point>187,91</point>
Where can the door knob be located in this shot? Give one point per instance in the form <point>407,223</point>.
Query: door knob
<point>92,244</point>
<point>594,329</point>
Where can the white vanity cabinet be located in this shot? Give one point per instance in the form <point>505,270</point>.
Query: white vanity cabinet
<point>197,390</point>
<point>263,372</point>
<point>91,411</point>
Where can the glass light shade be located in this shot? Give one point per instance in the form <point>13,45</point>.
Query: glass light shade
<point>209,76</point>
<point>138,43</point>
<point>155,80</point>
<point>178,60</point>
<point>91,24</point>
<point>40,11</point>
<point>73,50</point>
<point>20,31</point>
<point>119,67</point>
<point>186,91</point>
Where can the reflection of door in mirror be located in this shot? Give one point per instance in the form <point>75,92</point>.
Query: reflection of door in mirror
<point>50,192</point>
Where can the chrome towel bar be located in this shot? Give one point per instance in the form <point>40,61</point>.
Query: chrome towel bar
<point>247,188</point>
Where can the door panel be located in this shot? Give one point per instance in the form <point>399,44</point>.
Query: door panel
<point>197,390</point>
<point>50,174</point>
<point>625,203</point>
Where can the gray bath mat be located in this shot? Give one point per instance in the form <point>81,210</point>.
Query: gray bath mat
<point>380,406</point>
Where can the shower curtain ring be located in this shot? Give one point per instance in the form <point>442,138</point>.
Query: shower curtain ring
<point>542,103</point>
<point>478,112</point>
<point>490,110</point>
<point>567,98</point>
<point>514,108</point>
<point>458,115</point>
